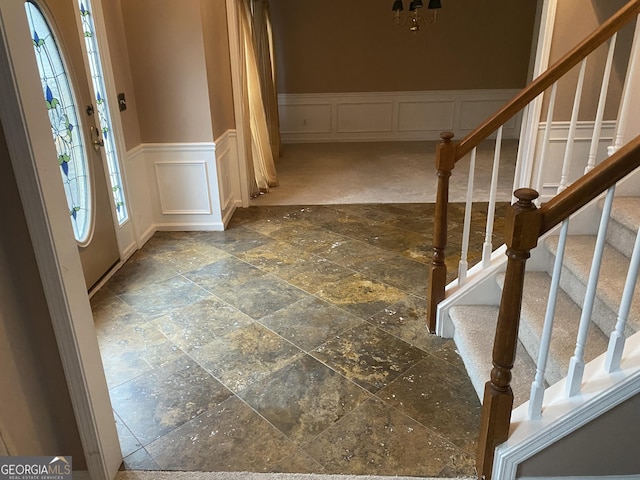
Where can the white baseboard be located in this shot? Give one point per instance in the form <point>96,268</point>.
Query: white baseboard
<point>189,227</point>
<point>389,116</point>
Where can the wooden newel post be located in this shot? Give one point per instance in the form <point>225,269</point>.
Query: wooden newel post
<point>445,161</point>
<point>522,230</point>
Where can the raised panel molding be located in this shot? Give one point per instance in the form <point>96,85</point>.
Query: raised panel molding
<point>364,117</point>
<point>180,183</point>
<point>389,116</point>
<point>306,118</point>
<point>183,188</point>
<point>416,116</point>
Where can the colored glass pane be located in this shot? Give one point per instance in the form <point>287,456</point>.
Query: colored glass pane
<point>102,108</point>
<point>61,108</point>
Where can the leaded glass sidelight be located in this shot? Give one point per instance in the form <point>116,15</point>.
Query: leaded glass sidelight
<point>102,107</point>
<point>61,107</point>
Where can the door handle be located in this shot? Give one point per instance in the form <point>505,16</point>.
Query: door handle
<point>97,140</point>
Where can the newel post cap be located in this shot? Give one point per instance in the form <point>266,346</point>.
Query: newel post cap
<point>523,221</point>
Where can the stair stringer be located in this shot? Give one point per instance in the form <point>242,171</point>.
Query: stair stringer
<point>480,289</point>
<point>561,416</point>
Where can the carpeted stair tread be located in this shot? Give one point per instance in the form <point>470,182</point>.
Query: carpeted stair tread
<point>565,326</point>
<point>577,264</point>
<point>475,328</point>
<point>625,218</point>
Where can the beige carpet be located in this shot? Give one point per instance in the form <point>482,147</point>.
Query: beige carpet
<point>380,172</point>
<point>131,475</point>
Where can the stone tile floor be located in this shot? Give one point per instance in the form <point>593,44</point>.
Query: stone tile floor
<point>292,342</point>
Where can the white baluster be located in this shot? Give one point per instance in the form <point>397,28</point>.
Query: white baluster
<point>566,163</point>
<point>463,267</point>
<point>545,142</point>
<point>576,365</point>
<point>487,247</point>
<point>628,94</point>
<point>537,387</point>
<point>519,172</point>
<point>595,139</point>
<point>617,338</point>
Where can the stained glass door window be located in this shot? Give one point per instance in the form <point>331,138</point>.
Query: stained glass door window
<point>61,107</point>
<point>102,108</point>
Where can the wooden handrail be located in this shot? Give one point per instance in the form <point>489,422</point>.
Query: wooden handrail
<point>609,172</point>
<point>453,152</point>
<point>548,78</point>
<point>525,225</point>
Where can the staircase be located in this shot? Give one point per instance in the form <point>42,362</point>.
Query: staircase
<point>547,322</point>
<point>475,325</point>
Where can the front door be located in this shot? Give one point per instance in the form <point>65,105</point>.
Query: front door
<point>77,132</point>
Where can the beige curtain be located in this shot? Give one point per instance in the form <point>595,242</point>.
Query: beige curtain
<point>265,56</point>
<point>246,126</point>
<point>261,154</point>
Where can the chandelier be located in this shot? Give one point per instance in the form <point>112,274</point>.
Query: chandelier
<point>413,18</point>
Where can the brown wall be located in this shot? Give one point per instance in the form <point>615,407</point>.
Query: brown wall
<point>606,446</point>
<point>120,62</point>
<point>167,59</point>
<point>574,22</point>
<point>218,63</point>
<point>36,415</point>
<point>330,46</point>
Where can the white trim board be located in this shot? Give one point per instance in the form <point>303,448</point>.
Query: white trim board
<point>561,415</point>
<point>389,116</point>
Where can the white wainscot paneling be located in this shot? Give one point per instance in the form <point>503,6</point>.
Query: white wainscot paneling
<point>224,180</point>
<point>305,118</point>
<point>228,175</point>
<point>555,152</point>
<point>183,188</point>
<point>474,112</point>
<point>364,117</point>
<point>389,116</point>
<point>139,195</point>
<point>183,185</point>
<point>426,116</point>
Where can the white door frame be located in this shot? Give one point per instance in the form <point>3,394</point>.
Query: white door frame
<point>28,136</point>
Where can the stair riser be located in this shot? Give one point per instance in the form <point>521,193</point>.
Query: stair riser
<point>531,342</point>
<point>621,238</point>
<point>602,315</point>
